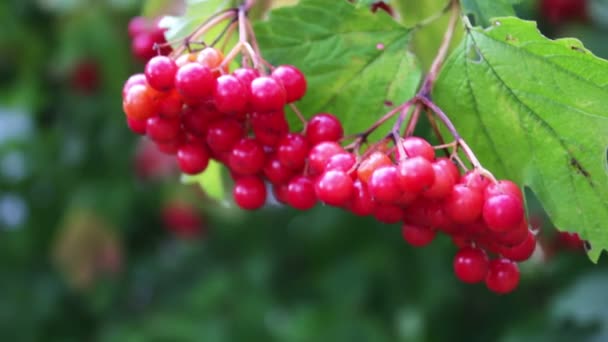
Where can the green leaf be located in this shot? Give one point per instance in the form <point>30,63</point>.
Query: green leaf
<point>210,180</point>
<point>483,10</point>
<point>535,110</point>
<point>354,60</point>
<point>196,13</point>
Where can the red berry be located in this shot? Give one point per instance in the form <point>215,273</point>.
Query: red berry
<point>292,79</point>
<point>417,147</point>
<point>521,252</point>
<point>276,172</point>
<point>474,180</point>
<point>370,164</point>
<point>415,174</point>
<point>334,188</point>
<point>570,241</point>
<point>139,102</point>
<point>195,82</point>
<point>417,236</point>
<point>192,159</point>
<point>503,187</point>
<point>133,80</point>
<point>512,237</point>
<point>137,25</point>
<point>463,205</point>
<point>319,155</point>
<point>249,192</point>
<point>230,95</point>
<point>323,127</point>
<point>160,73</point>
<point>342,162</point>
<point>170,105</point>
<point>388,213</point>
<point>223,134</point>
<point>142,46</point>
<point>182,219</point>
<point>162,130</point>
<point>362,203</point>
<point>292,151</point>
<point>443,181</point>
<point>503,276</point>
<point>471,265</point>
<point>247,157</point>
<point>503,212</point>
<point>384,184</point>
<point>269,127</point>
<point>449,165</point>
<point>267,94</point>
<point>137,126</point>
<point>301,193</point>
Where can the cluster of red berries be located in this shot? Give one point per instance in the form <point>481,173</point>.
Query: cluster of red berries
<point>145,36</point>
<point>195,108</point>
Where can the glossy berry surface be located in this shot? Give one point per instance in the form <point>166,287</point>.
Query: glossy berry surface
<point>503,212</point>
<point>293,81</point>
<point>195,81</point>
<point>334,188</point>
<point>471,265</point>
<point>417,236</point>
<point>192,159</point>
<point>249,193</point>
<point>323,127</point>
<point>267,94</point>
<point>160,73</point>
<point>503,276</point>
<point>230,95</point>
<point>301,193</point>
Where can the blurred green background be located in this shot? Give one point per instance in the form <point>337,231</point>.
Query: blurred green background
<point>100,242</point>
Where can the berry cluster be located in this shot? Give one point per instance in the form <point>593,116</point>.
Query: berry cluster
<point>145,36</point>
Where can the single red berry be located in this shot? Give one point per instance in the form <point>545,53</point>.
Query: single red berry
<point>267,94</point>
<point>230,95</point>
<point>416,147</point>
<point>388,213</point>
<point>503,212</point>
<point>170,105</point>
<point>223,134</point>
<point>301,193</point>
<point>334,188</point>
<point>443,181</point>
<point>475,180</point>
<point>292,79</point>
<point>342,162</point>
<point>137,25</point>
<point>142,46</point>
<point>192,159</point>
<point>276,172</point>
<point>362,203</point>
<point>247,157</point>
<point>384,184</point>
<point>512,237</point>
<point>521,252</point>
<point>269,127</point>
<point>417,236</point>
<point>249,192</point>
<point>570,241</point>
<point>319,156</point>
<point>415,174</point>
<point>449,165</point>
<point>471,264</point>
<point>133,80</point>
<point>162,130</point>
<point>292,151</point>
<point>182,219</point>
<point>370,164</point>
<point>139,102</point>
<point>160,73</point>
<point>464,204</point>
<point>323,127</point>
<point>196,120</point>
<point>195,82</point>
<point>503,276</point>
<point>137,126</point>
<point>503,187</point>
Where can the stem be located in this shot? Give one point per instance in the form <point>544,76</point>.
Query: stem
<point>443,51</point>
<point>405,108</point>
<point>432,18</point>
<point>206,26</point>
<point>227,30</point>
<point>442,116</point>
<point>248,4</point>
<point>299,114</point>
<point>411,125</point>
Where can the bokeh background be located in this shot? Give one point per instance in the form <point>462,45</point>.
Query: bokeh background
<point>99,241</point>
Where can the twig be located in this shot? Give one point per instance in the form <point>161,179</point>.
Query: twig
<point>206,26</point>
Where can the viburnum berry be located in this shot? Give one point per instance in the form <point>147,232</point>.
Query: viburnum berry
<point>503,276</point>
<point>230,95</point>
<point>443,181</point>
<point>503,187</point>
<point>276,172</point>
<point>512,237</point>
<point>570,241</point>
<point>323,127</point>
<point>502,212</point>
<point>137,126</point>
<point>417,236</point>
<point>471,265</point>
<point>267,94</point>
<point>195,82</point>
<point>334,187</point>
<point>388,213</point>
<point>212,58</point>
<point>319,155</point>
<point>416,147</point>
<point>342,162</point>
<point>249,192</point>
<point>192,159</point>
<point>293,81</point>
<point>464,204</point>
<point>522,251</point>
<point>247,157</point>
<point>370,164</point>
<point>223,134</point>
<point>415,174</point>
<point>169,105</point>
<point>300,193</point>
<point>292,151</point>
<point>162,130</point>
<point>133,80</point>
<point>139,103</point>
<point>137,25</point>
<point>160,73</point>
<point>475,180</point>
<point>269,128</point>
<point>361,203</point>
<point>383,185</point>
<point>142,46</point>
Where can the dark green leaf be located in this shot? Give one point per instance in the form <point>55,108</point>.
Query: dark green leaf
<point>535,110</point>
